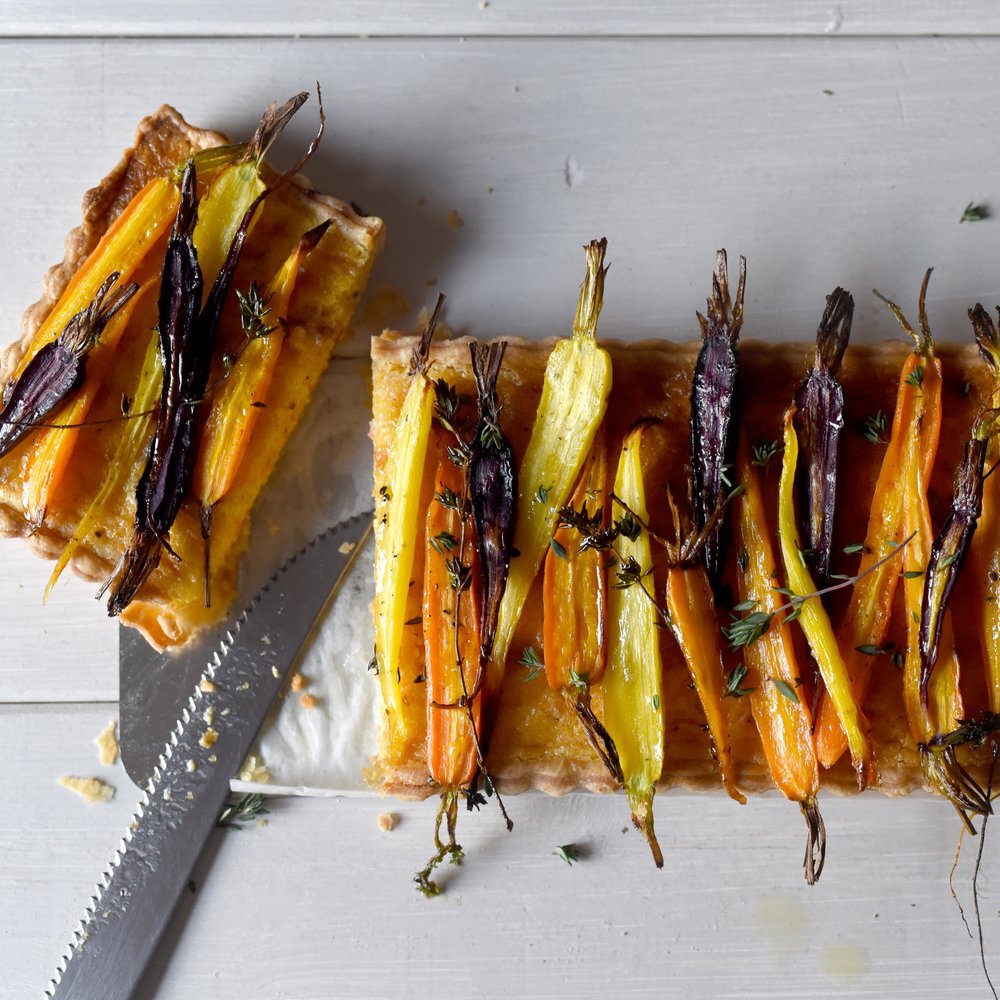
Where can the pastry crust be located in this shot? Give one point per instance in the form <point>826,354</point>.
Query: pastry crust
<point>162,140</point>
<point>538,744</point>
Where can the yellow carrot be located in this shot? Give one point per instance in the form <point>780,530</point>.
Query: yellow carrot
<point>633,681</point>
<point>397,524</point>
<point>574,398</point>
<point>235,407</point>
<point>813,617</point>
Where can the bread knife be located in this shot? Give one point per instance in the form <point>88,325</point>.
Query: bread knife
<point>190,784</point>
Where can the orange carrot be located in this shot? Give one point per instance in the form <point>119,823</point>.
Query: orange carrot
<point>575,605</point>
<point>782,717</point>
<point>451,748</point>
<point>693,622</point>
<point>575,589</point>
<point>916,426</point>
<point>128,241</point>
<point>51,449</point>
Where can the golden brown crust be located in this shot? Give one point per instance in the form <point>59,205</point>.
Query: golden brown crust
<point>653,378</point>
<point>162,140</point>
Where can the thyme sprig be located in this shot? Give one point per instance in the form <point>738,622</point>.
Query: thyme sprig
<point>874,427</point>
<point>248,809</point>
<point>750,627</point>
<point>534,663</point>
<point>449,403</point>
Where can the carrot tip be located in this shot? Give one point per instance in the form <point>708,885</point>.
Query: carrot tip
<point>815,856</point>
<point>642,818</point>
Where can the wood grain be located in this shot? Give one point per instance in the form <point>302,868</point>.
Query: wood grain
<point>557,18</point>
<point>671,147</point>
<point>332,897</point>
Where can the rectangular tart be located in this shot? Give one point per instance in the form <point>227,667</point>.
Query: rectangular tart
<point>538,743</point>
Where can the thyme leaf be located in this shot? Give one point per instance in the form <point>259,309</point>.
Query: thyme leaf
<point>974,213</point>
<point>531,660</point>
<point>874,427</point>
<point>786,689</point>
<point>245,810</point>
<point>568,852</point>
<point>764,452</point>
<point>734,682</point>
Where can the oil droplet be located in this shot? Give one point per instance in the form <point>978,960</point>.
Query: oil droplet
<point>845,960</point>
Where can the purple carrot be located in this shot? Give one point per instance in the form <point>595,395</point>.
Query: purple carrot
<point>59,367</point>
<point>492,491</point>
<point>712,394</point>
<point>819,418</point>
<point>187,337</point>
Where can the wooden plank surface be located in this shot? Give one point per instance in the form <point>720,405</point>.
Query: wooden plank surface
<point>320,903</point>
<point>670,147</point>
<point>556,18</point>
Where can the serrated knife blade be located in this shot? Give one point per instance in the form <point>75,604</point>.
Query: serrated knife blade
<point>188,788</point>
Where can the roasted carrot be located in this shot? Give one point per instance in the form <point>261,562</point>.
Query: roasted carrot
<point>574,397</point>
<point>813,618</point>
<point>633,681</point>
<point>575,603</point>
<point>691,608</point>
<point>235,407</point>
<point>140,229</point>
<point>773,674</point>
<point>916,425</point>
<point>985,553</point>
<point>451,744</point>
<point>397,522</point>
<point>819,419</point>
<point>52,448</point>
<point>125,466</point>
<point>713,393</point>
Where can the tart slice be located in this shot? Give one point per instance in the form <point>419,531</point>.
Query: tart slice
<point>296,268</point>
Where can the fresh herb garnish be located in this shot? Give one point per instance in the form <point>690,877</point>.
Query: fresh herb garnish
<point>874,427</point>
<point>444,542</point>
<point>974,213</point>
<point>534,663</point>
<point>568,852</point>
<point>734,682</point>
<point>764,452</point>
<point>786,689</point>
<point>245,810</point>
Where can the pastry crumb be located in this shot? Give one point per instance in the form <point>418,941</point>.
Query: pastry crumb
<point>454,219</point>
<point>275,672</point>
<point>107,744</point>
<point>308,700</point>
<point>91,790</point>
<point>254,770</point>
<point>386,822</point>
<point>209,715</point>
<point>206,685</point>
<point>298,682</point>
<point>208,737</point>
<point>192,764</point>
<point>346,548</point>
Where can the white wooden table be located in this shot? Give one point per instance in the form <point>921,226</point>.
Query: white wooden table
<point>830,142</point>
